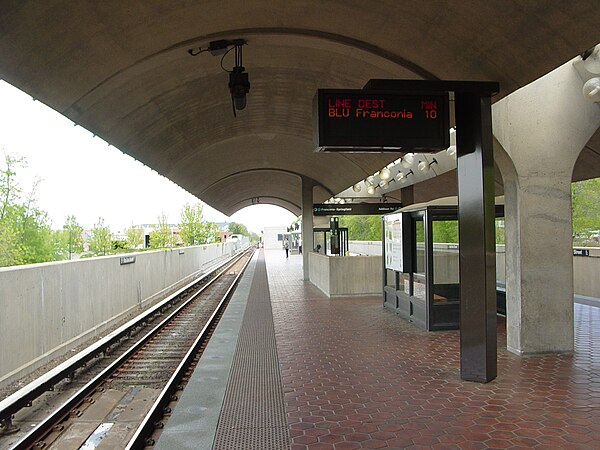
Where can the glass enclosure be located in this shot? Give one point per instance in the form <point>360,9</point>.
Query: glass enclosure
<point>427,290</point>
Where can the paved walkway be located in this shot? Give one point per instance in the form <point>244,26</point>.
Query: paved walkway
<point>356,376</point>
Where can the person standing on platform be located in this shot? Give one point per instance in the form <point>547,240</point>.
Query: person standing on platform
<point>286,246</point>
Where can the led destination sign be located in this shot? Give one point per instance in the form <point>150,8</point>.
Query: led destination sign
<point>362,121</point>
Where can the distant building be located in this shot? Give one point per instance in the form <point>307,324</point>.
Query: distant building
<point>273,237</point>
<point>224,235</point>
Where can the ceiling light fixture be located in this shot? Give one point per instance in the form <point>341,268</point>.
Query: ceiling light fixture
<point>424,166</point>
<point>385,174</point>
<point>407,160</point>
<point>591,89</point>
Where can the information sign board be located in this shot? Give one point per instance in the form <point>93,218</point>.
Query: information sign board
<point>326,209</point>
<point>393,242</point>
<point>355,120</point>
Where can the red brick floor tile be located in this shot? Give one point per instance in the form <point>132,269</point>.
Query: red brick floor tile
<point>352,370</point>
<point>331,438</point>
<point>374,443</point>
<point>357,437</point>
<point>305,440</point>
<point>298,447</point>
<point>320,446</point>
<point>346,446</point>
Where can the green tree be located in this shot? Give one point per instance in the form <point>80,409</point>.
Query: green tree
<point>238,228</point>
<point>585,199</point>
<point>25,234</point>
<point>118,245</point>
<point>192,227</point>
<point>161,237</point>
<point>10,242</point>
<point>445,231</point>
<point>100,242</point>
<point>135,237</point>
<point>210,233</point>
<point>72,236</point>
<point>362,228</point>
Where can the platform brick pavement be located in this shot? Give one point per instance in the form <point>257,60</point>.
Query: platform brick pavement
<point>356,376</point>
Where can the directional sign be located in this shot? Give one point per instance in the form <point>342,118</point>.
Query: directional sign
<point>326,209</point>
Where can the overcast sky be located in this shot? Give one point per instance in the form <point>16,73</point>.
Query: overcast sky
<point>82,175</point>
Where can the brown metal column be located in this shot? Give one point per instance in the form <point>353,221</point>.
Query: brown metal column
<point>478,347</point>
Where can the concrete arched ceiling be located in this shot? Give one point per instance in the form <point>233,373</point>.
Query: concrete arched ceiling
<point>122,70</point>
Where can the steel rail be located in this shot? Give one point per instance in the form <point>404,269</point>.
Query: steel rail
<point>62,371</point>
<point>144,430</point>
<point>25,396</point>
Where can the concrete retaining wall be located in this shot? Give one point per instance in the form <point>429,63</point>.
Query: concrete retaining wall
<point>585,268</point>
<point>48,309</point>
<point>586,271</point>
<point>340,276</point>
<point>369,248</point>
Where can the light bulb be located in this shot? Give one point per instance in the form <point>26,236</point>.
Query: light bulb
<point>371,190</point>
<point>385,174</point>
<point>370,181</point>
<point>423,166</point>
<point>357,187</point>
<point>591,89</point>
<point>592,62</point>
<point>400,176</point>
<point>407,160</point>
<point>383,184</point>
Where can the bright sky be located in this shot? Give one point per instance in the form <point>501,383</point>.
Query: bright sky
<point>82,175</point>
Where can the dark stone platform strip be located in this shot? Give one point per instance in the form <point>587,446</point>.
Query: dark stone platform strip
<point>253,414</point>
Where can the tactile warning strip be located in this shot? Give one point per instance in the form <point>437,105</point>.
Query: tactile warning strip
<point>253,414</point>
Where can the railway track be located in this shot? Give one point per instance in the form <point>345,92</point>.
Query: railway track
<point>116,394</point>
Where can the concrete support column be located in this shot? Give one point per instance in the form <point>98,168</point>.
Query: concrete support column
<point>542,128</point>
<point>307,224</point>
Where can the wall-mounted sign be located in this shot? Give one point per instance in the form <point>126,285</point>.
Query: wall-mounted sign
<point>581,252</point>
<point>324,209</point>
<point>355,120</point>
<point>127,260</point>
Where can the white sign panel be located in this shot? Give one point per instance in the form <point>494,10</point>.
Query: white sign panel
<point>393,242</point>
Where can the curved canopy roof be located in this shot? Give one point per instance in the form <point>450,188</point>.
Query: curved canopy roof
<point>123,71</point>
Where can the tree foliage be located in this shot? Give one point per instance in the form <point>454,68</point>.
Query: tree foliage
<point>192,227</point>
<point>585,198</point>
<point>211,233</point>
<point>135,237</point>
<point>100,242</point>
<point>72,236</point>
<point>445,231</point>
<point>25,234</point>
<point>161,237</point>
<point>362,228</point>
<point>238,228</point>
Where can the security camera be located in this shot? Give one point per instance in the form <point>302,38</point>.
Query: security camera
<point>239,86</point>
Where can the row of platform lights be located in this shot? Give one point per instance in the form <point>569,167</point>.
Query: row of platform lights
<point>382,178</point>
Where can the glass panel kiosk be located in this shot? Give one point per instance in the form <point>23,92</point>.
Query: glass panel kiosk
<point>421,264</point>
